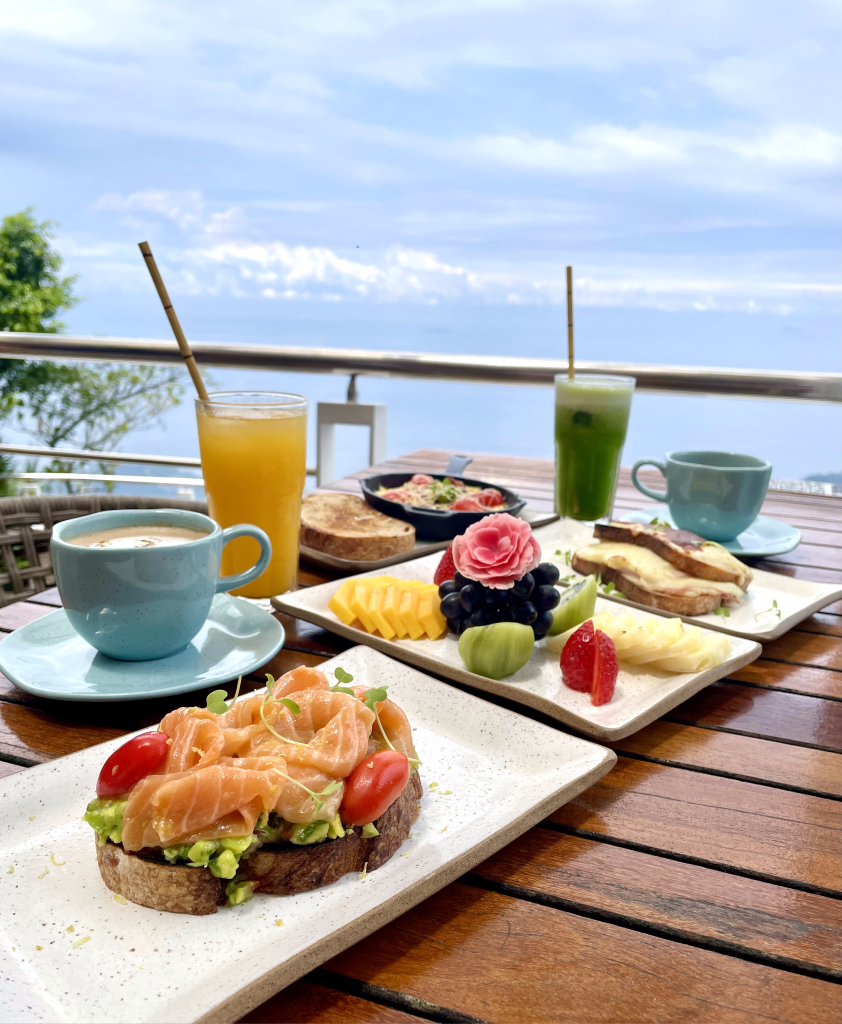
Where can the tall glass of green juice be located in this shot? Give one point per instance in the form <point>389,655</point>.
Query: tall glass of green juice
<point>591,417</point>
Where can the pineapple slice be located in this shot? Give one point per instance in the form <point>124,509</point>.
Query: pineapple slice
<point>636,640</point>
<point>666,634</point>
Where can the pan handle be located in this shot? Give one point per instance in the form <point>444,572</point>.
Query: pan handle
<point>457,464</point>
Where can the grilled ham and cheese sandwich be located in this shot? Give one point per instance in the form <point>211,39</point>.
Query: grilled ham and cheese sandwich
<point>673,570</point>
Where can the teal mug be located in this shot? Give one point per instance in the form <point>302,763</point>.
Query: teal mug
<point>141,603</point>
<point>714,494</point>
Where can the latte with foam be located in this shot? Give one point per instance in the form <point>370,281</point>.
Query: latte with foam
<point>136,537</point>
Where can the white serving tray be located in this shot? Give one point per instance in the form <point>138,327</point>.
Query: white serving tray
<point>754,619</point>
<point>641,696</point>
<point>422,547</point>
<point>498,774</point>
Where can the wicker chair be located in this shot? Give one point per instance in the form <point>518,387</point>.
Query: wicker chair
<point>26,525</point>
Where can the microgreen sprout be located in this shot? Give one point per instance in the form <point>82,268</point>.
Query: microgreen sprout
<point>290,705</point>
<point>331,787</point>
<point>722,611</point>
<point>774,610</point>
<point>216,699</point>
<point>343,677</point>
<point>371,698</point>
<point>662,523</point>
<point>567,557</point>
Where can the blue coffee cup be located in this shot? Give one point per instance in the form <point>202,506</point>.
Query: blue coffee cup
<point>714,494</point>
<point>136,604</point>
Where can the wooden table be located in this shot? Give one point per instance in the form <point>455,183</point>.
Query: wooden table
<point>698,881</point>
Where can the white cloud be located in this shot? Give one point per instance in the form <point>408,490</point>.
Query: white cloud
<point>603,149</point>
<point>214,255</point>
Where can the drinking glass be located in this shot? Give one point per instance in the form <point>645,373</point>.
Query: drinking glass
<point>591,417</point>
<point>254,449</point>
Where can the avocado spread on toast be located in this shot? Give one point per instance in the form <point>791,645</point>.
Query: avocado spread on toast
<point>220,856</point>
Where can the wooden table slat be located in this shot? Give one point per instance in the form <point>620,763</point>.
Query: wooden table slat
<point>307,1003</point>
<point>792,717</point>
<point>746,757</point>
<point>735,911</point>
<point>501,959</point>
<point>766,832</point>
<point>819,682</point>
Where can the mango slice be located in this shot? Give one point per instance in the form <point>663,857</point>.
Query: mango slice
<point>340,604</point>
<point>429,614</point>
<point>375,610</point>
<point>392,607</point>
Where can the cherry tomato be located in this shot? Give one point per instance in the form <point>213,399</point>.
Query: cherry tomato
<point>400,496</point>
<point>468,503</point>
<point>489,497</point>
<point>422,479</point>
<point>131,763</point>
<point>373,786</point>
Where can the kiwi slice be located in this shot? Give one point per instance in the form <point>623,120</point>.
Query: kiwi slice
<point>577,604</point>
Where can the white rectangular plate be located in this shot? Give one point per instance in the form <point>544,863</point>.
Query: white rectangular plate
<point>422,547</point>
<point>756,617</point>
<point>498,774</point>
<point>641,696</point>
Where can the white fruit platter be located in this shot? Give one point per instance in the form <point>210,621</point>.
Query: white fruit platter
<point>641,694</point>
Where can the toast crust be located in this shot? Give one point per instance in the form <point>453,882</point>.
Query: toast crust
<point>279,870</point>
<point>675,547</point>
<point>345,526</point>
<point>700,605</point>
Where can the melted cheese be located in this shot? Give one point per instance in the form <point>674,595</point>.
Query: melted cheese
<point>651,572</point>
<point>714,554</point>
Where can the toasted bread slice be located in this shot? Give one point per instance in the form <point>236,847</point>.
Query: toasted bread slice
<point>699,604</point>
<point>280,870</point>
<point>685,550</point>
<point>345,526</point>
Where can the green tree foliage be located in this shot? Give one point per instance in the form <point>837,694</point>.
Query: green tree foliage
<point>32,293</point>
<point>75,405</point>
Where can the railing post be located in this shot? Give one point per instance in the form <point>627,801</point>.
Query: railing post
<point>353,413</point>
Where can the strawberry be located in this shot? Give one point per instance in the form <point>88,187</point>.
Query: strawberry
<point>446,567</point>
<point>589,663</point>
<point>605,671</point>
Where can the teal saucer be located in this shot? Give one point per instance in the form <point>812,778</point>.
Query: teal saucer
<point>764,538</point>
<point>48,658</point>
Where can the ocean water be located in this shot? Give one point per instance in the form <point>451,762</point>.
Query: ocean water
<point>800,439</point>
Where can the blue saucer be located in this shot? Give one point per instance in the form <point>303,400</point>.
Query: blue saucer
<point>48,658</point>
<point>765,537</point>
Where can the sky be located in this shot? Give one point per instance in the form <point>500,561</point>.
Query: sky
<point>417,175</point>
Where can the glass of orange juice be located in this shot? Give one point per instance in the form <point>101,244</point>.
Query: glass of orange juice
<point>254,449</point>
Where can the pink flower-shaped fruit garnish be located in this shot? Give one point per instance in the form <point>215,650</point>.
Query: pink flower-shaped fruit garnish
<point>496,551</point>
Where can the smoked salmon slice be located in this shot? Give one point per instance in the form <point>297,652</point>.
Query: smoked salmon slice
<point>217,801</point>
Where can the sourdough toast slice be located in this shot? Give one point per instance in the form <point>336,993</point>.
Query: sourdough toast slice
<point>687,551</point>
<point>345,526</point>
<point>698,604</point>
<point>279,869</point>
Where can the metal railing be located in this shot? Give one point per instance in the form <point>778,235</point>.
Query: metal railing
<point>688,380</point>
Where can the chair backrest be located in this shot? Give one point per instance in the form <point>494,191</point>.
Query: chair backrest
<point>26,525</point>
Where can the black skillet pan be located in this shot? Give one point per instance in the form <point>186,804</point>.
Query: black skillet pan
<point>433,523</point>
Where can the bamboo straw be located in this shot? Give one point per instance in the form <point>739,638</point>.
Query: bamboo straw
<point>571,370</point>
<point>183,344</point>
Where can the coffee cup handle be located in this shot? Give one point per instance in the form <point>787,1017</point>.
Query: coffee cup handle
<point>657,495</point>
<point>240,579</point>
